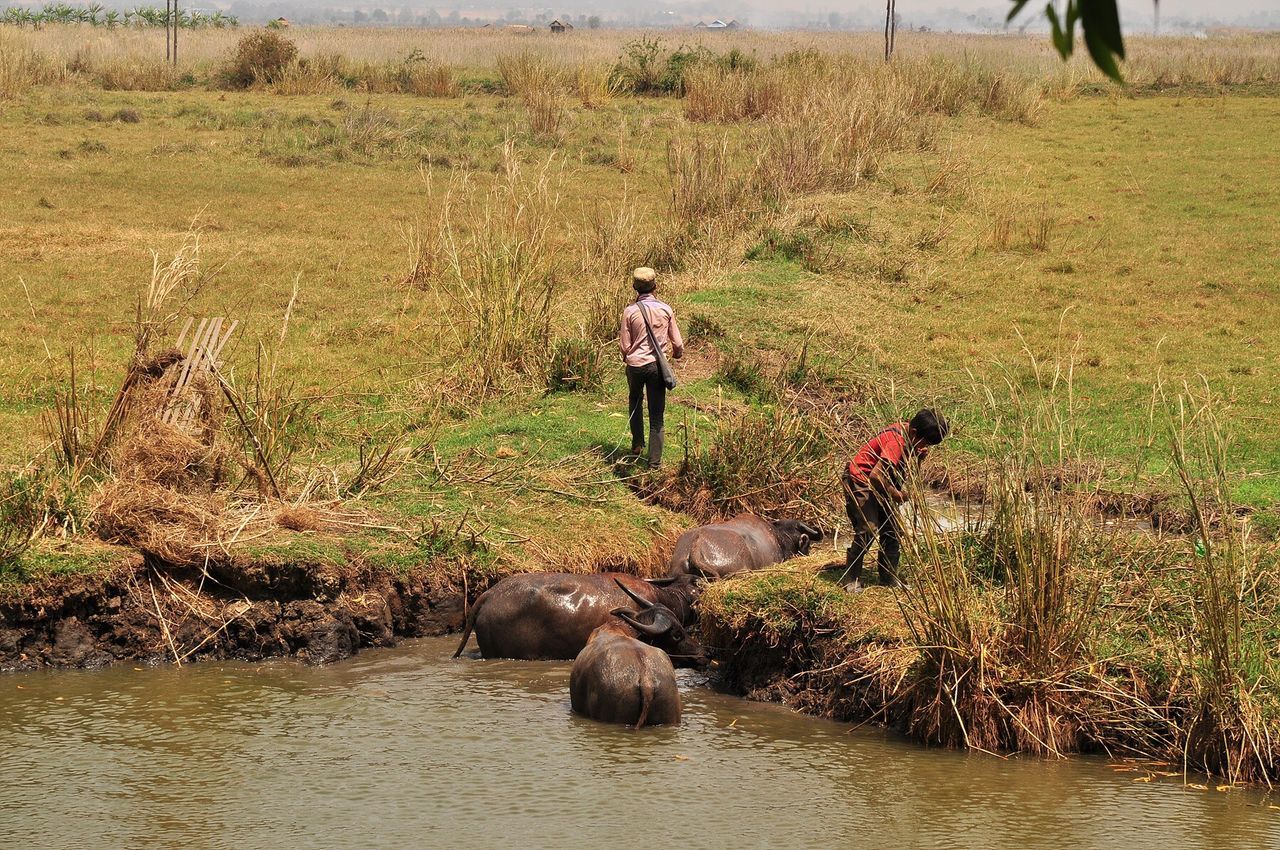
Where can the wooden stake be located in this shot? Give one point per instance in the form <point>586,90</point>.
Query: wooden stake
<point>257,447</point>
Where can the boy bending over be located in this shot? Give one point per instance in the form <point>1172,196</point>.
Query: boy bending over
<point>873,488</point>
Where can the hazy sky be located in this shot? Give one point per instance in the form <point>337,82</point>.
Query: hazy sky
<point>1169,9</point>
<point>1135,15</point>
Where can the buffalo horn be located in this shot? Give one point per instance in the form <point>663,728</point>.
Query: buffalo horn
<point>643,603</point>
<point>663,582</point>
<point>814,533</point>
<point>650,629</point>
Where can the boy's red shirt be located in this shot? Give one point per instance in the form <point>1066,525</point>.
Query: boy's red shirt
<point>890,446</point>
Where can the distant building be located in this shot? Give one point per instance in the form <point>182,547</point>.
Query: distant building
<point>557,26</point>
<point>717,24</point>
<point>700,25</point>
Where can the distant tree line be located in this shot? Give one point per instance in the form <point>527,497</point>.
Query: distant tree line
<point>100,16</point>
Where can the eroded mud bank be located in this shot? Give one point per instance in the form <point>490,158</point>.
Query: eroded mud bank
<point>143,613</point>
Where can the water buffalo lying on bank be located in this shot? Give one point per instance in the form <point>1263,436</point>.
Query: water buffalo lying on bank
<point>551,615</point>
<point>617,678</point>
<point>743,543</point>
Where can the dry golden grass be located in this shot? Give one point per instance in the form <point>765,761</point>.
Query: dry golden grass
<point>596,85</point>
<point>1233,60</point>
<point>311,78</point>
<point>22,67</point>
<point>541,87</point>
<point>135,74</point>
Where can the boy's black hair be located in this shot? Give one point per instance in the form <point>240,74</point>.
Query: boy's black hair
<point>930,426</point>
<point>644,287</point>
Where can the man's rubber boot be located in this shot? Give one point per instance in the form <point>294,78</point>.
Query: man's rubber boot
<point>656,440</point>
<point>889,578</point>
<point>852,572</point>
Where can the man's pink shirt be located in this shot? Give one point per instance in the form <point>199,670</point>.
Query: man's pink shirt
<point>632,339</point>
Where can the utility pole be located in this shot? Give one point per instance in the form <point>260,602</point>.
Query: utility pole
<point>890,27</point>
<point>171,31</point>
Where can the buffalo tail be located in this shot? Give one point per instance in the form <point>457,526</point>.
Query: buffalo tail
<point>646,699</point>
<point>471,623</point>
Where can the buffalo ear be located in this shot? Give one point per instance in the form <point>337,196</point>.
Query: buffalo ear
<point>803,545</point>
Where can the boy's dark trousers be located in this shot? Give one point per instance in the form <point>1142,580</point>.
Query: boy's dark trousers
<point>641,381</point>
<point>871,516</point>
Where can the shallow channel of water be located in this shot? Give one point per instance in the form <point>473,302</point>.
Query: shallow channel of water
<point>408,748</point>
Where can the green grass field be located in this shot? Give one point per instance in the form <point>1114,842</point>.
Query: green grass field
<point>1102,230</point>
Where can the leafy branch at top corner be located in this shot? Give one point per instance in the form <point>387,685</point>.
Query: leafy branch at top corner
<point>1099,21</point>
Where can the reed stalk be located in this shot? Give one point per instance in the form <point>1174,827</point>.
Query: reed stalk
<point>1232,730</point>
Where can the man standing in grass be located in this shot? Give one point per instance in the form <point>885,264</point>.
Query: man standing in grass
<point>646,322</point>
<point>873,485</point>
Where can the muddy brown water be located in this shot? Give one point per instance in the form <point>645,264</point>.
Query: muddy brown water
<point>408,748</point>
<point>951,515</point>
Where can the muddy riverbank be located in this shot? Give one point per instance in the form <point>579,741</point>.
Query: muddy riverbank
<point>793,636</point>
<point>316,612</point>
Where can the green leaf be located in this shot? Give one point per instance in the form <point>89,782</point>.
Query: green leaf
<point>1102,17</point>
<point>1101,23</point>
<point>1064,38</point>
<point>1018,6</point>
<point>1100,20</point>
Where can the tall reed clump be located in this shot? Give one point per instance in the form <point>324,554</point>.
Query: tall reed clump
<point>1234,727</point>
<point>714,93</point>
<point>488,257</point>
<point>541,88</point>
<point>948,87</point>
<point>416,74</point>
<point>21,68</point>
<point>137,75</point>
<point>819,124</point>
<point>303,78</point>
<point>575,364</point>
<point>823,122</point>
<point>1006,620</point>
<point>711,184</point>
<point>614,243</point>
<point>23,515</point>
<point>774,462</point>
<point>16,72</point>
<point>426,79</point>
<point>596,85</point>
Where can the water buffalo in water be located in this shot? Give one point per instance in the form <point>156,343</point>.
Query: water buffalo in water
<point>743,543</point>
<point>551,615</point>
<point>617,678</point>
